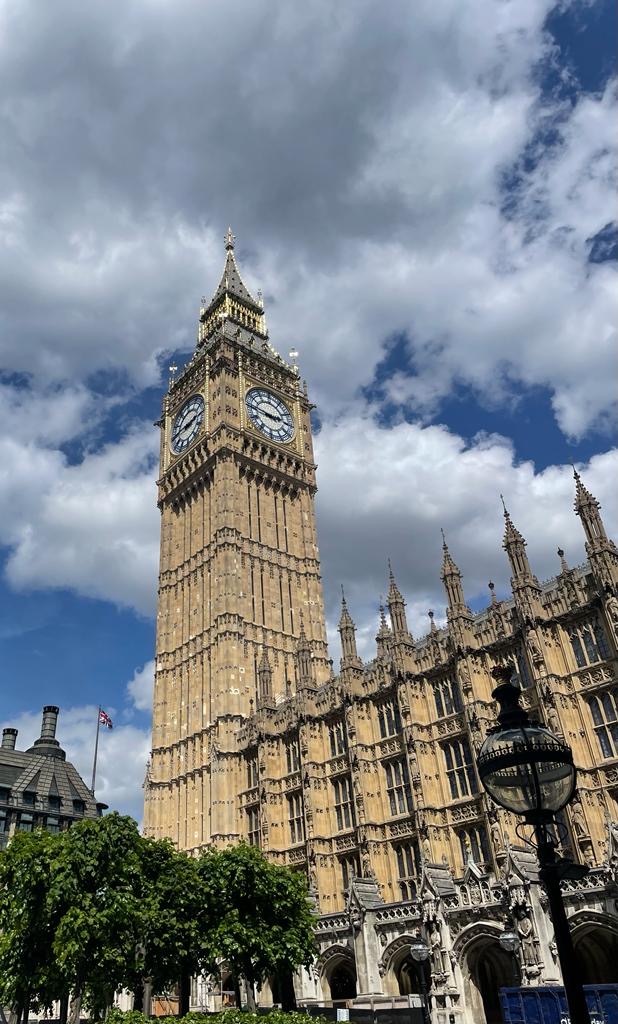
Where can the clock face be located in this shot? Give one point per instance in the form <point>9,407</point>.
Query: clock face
<point>270,415</point>
<point>187,424</point>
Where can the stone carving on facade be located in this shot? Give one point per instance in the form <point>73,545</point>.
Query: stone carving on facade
<point>464,678</point>
<point>578,821</point>
<point>437,954</point>
<point>528,943</point>
<point>495,832</point>
<point>611,605</point>
<point>534,648</point>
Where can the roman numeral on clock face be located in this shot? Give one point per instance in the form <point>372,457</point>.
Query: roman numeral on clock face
<point>270,415</point>
<point>187,424</point>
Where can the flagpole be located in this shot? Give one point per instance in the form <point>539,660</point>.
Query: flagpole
<point>96,750</point>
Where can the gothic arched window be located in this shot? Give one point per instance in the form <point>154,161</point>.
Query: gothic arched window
<point>398,787</point>
<point>473,840</point>
<point>604,711</point>
<point>408,868</point>
<point>459,768</point>
<point>589,643</point>
<point>389,718</point>
<point>447,696</point>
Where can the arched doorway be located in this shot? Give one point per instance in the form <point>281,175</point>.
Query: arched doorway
<point>410,977</point>
<point>342,983</point>
<point>596,949</point>
<point>490,968</point>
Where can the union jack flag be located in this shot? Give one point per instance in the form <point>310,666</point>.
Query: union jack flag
<point>105,720</point>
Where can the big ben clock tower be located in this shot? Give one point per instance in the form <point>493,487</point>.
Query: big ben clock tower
<point>240,593</point>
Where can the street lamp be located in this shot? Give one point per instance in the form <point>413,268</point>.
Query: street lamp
<point>419,951</point>
<point>530,772</point>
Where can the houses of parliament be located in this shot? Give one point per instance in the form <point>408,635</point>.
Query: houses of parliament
<point>365,778</point>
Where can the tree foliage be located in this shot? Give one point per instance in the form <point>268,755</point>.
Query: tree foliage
<point>28,975</point>
<point>262,922</point>
<point>98,908</point>
<point>174,916</point>
<point>96,899</point>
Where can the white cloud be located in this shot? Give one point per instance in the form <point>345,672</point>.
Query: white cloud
<point>91,527</point>
<point>122,754</point>
<point>385,492</point>
<point>141,686</point>
<point>360,151</point>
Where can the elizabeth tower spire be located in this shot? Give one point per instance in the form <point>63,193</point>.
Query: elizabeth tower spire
<point>239,563</point>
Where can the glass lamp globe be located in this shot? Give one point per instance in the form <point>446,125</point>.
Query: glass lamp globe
<point>509,940</point>
<point>419,950</point>
<point>523,766</point>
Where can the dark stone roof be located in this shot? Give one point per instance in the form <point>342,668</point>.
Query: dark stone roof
<point>438,879</point>
<point>365,892</point>
<point>44,771</point>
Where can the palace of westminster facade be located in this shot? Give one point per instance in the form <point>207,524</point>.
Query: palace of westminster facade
<point>365,779</point>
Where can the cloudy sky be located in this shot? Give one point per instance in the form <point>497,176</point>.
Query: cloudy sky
<point>425,194</point>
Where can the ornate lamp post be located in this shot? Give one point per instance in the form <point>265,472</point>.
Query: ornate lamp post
<point>530,772</point>
<point>419,951</point>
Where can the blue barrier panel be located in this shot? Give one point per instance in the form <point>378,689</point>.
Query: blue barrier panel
<point>548,1005</point>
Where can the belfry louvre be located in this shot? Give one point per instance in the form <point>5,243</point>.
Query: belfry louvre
<point>364,780</point>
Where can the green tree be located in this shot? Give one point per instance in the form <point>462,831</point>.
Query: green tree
<point>173,918</point>
<point>29,975</point>
<point>261,922</point>
<point>96,899</point>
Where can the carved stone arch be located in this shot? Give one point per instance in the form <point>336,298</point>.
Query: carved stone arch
<point>333,965</point>
<point>470,935</point>
<point>394,960</point>
<point>335,952</point>
<point>595,939</point>
<point>592,918</point>
<point>484,967</point>
<point>395,951</point>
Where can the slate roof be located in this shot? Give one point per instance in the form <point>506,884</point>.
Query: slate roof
<point>41,782</point>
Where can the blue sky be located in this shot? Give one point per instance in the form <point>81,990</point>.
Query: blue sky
<point>426,196</point>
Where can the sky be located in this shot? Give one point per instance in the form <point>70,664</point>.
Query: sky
<point>425,194</point>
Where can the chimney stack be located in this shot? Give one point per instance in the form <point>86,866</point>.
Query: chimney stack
<point>47,744</point>
<point>9,739</point>
<point>50,719</point>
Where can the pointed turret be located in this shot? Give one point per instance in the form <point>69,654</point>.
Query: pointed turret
<point>458,614</point>
<point>347,631</point>
<point>232,300</point>
<point>384,636</point>
<point>265,678</point>
<point>451,577</point>
<point>588,509</point>
<point>304,662</point>
<point>396,607</point>
<point>601,551</point>
<point>526,589</point>
<point>515,547</point>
